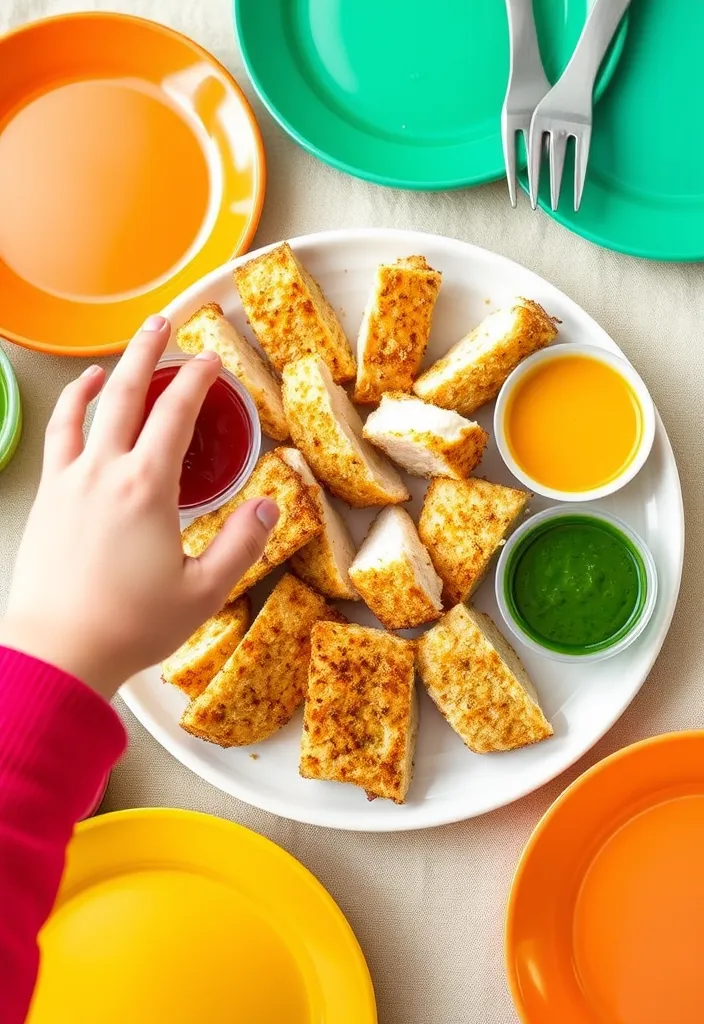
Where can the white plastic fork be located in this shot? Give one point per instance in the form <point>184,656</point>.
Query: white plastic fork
<point>527,84</point>
<point>566,110</point>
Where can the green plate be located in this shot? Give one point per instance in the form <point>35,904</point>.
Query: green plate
<point>400,92</point>
<point>644,193</point>
<point>10,411</point>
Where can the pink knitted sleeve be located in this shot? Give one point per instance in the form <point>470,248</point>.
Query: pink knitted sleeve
<point>58,740</point>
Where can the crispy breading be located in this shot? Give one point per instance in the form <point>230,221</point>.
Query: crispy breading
<point>360,718</point>
<point>394,574</point>
<point>395,327</point>
<point>289,313</point>
<point>479,683</point>
<point>474,369</point>
<point>463,523</point>
<point>260,686</point>
<point>299,519</point>
<point>202,656</point>
<point>209,329</point>
<point>327,429</point>
<point>424,439</point>
<point>325,561</point>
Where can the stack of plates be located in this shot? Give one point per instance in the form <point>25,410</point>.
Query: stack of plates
<point>409,95</point>
<point>130,165</point>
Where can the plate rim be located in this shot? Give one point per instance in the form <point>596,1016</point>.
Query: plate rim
<point>604,765</point>
<point>280,807</point>
<point>259,192</point>
<point>353,953</point>
<point>568,220</point>
<point>482,178</point>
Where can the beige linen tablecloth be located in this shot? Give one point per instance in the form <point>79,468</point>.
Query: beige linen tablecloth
<point>427,906</point>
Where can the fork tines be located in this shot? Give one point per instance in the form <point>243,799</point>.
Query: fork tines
<point>557,133</point>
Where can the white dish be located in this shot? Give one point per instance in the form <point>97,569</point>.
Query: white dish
<point>582,702</point>
<point>618,363</point>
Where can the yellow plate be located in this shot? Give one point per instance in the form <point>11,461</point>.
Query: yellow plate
<point>172,917</point>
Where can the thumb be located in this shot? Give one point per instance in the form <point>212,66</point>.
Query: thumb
<point>238,546</point>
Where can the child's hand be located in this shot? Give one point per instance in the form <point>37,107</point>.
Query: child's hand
<point>101,586</point>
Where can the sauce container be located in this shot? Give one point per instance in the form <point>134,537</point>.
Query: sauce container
<point>576,584</point>
<point>574,422</point>
<point>10,411</point>
<point>225,444</point>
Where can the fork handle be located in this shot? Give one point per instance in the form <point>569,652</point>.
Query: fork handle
<point>599,29</point>
<point>524,49</point>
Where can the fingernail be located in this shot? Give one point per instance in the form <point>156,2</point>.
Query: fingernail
<point>268,513</point>
<point>208,355</point>
<point>154,323</point>
<point>91,371</point>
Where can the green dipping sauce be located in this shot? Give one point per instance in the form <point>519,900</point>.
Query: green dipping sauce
<point>576,584</point>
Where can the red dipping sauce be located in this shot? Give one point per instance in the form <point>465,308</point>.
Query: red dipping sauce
<point>225,441</point>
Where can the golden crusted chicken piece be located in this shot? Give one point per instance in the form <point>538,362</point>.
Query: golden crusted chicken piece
<point>425,440</point>
<point>463,523</point>
<point>479,683</point>
<point>260,686</point>
<point>327,429</point>
<point>202,656</point>
<point>299,519</point>
<point>394,574</point>
<point>208,329</point>
<point>289,313</point>
<point>323,562</point>
<point>474,369</point>
<point>360,718</point>
<point>395,328</point>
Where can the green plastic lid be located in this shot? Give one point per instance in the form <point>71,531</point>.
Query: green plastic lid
<point>10,411</point>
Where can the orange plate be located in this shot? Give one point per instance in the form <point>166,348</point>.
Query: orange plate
<point>130,165</point>
<point>606,915</point>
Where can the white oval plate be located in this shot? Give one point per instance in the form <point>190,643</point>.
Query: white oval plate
<point>582,702</point>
